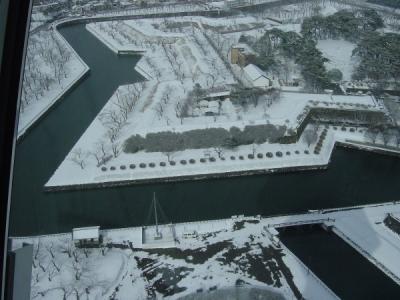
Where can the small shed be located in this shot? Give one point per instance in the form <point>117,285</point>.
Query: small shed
<point>212,109</point>
<point>86,236</point>
<point>220,93</point>
<point>203,103</point>
<point>240,54</point>
<point>257,77</point>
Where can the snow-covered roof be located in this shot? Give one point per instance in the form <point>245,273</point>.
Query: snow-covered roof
<point>219,94</point>
<point>203,103</point>
<point>209,110</point>
<point>213,104</point>
<point>254,72</point>
<point>84,233</point>
<point>262,82</point>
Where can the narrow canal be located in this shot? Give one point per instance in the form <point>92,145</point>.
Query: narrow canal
<point>338,265</point>
<point>354,177</point>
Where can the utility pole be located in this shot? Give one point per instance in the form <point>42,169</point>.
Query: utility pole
<point>158,235</point>
<point>155,211</point>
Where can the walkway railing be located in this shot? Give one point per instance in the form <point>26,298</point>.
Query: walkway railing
<point>302,222</point>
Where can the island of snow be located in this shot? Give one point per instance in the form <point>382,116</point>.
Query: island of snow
<point>52,67</point>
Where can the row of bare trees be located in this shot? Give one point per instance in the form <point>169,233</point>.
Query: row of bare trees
<point>181,106</point>
<point>113,118</point>
<point>387,134</point>
<point>46,66</point>
<point>175,62</point>
<point>59,265</point>
<point>216,70</point>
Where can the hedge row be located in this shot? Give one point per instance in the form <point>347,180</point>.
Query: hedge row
<point>204,160</point>
<point>168,141</point>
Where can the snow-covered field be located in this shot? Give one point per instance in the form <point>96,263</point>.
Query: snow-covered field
<point>339,53</point>
<point>235,160</point>
<point>52,67</point>
<point>216,255</point>
<point>297,155</point>
<point>176,56</point>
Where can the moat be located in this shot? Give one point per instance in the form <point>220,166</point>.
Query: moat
<point>353,177</point>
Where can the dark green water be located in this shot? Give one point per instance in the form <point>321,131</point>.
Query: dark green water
<point>338,265</point>
<point>354,177</point>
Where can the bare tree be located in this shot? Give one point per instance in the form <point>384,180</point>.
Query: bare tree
<point>397,137</point>
<point>159,109</point>
<point>112,133</point>
<point>76,265</point>
<point>116,149</point>
<point>86,251</point>
<point>39,255</point>
<point>372,134</point>
<point>76,255</point>
<point>99,152</point>
<point>79,157</point>
<point>51,271</point>
<point>58,268</point>
<point>66,246</point>
<point>180,111</point>
<point>111,118</point>
<point>310,136</point>
<point>220,151</point>
<point>66,290</point>
<point>254,148</point>
<point>169,155</point>
<point>387,135</point>
<point>50,249</point>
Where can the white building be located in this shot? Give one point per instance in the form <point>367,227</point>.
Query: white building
<point>86,236</point>
<point>207,108</point>
<point>257,77</point>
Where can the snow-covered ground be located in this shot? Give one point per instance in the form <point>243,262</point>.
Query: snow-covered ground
<point>296,155</point>
<point>339,53</point>
<point>44,80</point>
<point>178,54</point>
<point>38,19</point>
<point>293,155</point>
<point>235,160</point>
<point>209,255</point>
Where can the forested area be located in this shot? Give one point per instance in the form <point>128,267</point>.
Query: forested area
<point>292,45</point>
<point>378,53</point>
<point>343,24</point>
<point>380,57</point>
